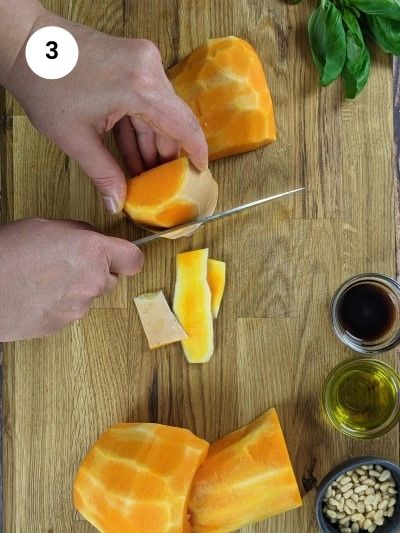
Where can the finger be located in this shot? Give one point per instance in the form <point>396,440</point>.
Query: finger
<point>146,142</point>
<point>168,148</point>
<point>111,283</point>
<point>123,257</point>
<point>98,163</point>
<point>125,138</point>
<point>170,116</point>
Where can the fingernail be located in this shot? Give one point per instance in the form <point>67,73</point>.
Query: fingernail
<point>112,205</point>
<point>201,165</point>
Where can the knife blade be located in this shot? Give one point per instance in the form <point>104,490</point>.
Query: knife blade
<point>215,216</point>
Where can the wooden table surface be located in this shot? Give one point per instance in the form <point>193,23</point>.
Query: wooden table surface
<point>274,345</point>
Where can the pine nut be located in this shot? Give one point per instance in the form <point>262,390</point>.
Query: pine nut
<point>355,528</point>
<point>390,512</point>
<point>333,502</point>
<point>357,517</point>
<point>380,521</point>
<point>345,521</point>
<point>347,494</point>
<point>372,528</point>
<point>385,475</point>
<point>374,473</point>
<point>392,502</point>
<point>360,488</point>
<point>346,487</point>
<point>385,486</point>
<point>354,478</point>
<point>360,471</point>
<point>378,515</point>
<point>366,524</point>
<point>345,480</point>
<point>331,514</point>
<point>379,468</point>
<point>369,491</point>
<point>369,499</point>
<point>350,504</point>
<point>370,482</point>
<point>360,507</point>
<point>383,505</point>
<point>391,490</point>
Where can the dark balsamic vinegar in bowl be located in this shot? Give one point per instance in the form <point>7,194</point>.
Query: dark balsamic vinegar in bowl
<point>366,313</point>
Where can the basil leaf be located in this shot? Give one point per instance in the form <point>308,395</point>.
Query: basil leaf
<point>358,60</point>
<point>385,8</point>
<point>328,42</point>
<point>386,33</point>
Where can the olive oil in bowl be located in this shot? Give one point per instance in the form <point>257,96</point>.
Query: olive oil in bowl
<point>362,398</point>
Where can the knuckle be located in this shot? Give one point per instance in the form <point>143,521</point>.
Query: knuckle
<point>148,50</point>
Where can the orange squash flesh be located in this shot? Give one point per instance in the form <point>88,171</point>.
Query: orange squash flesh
<point>216,281</point>
<point>137,479</point>
<point>170,194</point>
<point>192,305</point>
<point>224,84</point>
<point>247,477</point>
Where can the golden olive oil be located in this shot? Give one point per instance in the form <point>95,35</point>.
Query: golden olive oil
<point>362,397</point>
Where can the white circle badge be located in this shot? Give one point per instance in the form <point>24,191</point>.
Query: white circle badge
<point>51,52</point>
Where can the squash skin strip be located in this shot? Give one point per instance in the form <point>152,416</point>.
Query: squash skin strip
<point>192,305</point>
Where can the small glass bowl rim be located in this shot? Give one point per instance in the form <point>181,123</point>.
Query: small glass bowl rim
<point>345,338</point>
<point>376,432</point>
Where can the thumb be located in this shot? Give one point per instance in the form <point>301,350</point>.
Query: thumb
<point>98,163</point>
<point>123,257</point>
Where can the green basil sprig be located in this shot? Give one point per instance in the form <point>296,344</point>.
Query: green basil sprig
<point>338,31</point>
<point>358,60</point>
<point>328,42</point>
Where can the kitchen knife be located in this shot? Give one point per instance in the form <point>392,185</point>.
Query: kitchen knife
<point>215,216</point>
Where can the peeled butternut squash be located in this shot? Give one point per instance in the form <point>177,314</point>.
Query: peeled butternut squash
<point>137,479</point>
<point>192,305</point>
<point>224,84</point>
<point>171,194</point>
<point>216,280</point>
<point>247,477</point>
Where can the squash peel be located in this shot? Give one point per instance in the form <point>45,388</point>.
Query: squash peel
<point>192,305</point>
<point>171,194</point>
<point>216,273</point>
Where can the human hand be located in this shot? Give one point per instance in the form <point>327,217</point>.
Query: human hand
<point>50,272</point>
<point>116,83</point>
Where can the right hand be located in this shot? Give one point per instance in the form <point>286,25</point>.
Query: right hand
<point>50,272</point>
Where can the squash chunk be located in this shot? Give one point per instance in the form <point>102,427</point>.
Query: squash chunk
<point>159,323</point>
<point>247,477</point>
<point>224,84</point>
<point>216,281</point>
<point>137,478</point>
<point>192,305</point>
<point>170,194</point>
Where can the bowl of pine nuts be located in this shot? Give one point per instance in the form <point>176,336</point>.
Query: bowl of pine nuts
<point>360,495</point>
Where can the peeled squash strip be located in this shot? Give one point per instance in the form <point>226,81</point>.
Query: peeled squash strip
<point>159,322</point>
<point>137,479</point>
<point>171,194</point>
<point>247,477</point>
<point>224,84</point>
<point>216,282</point>
<point>192,305</point>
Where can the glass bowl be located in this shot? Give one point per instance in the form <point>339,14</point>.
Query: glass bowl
<point>361,397</point>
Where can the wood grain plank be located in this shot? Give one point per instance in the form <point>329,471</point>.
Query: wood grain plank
<point>284,262</point>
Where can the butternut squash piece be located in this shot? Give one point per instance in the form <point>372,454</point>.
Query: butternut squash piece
<point>171,194</point>
<point>137,479</point>
<point>159,323</point>
<point>192,305</point>
<point>247,477</point>
<point>224,84</point>
<point>216,281</point>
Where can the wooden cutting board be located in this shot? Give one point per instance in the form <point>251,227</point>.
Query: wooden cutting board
<point>274,346</point>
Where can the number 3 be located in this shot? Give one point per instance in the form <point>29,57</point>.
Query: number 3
<point>53,49</point>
